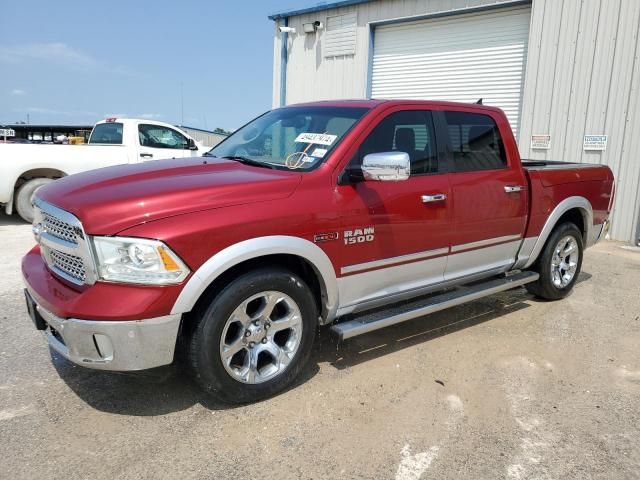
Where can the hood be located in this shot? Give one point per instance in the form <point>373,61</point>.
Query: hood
<point>108,200</point>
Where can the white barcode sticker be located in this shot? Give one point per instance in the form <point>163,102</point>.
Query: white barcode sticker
<point>319,152</point>
<point>316,138</point>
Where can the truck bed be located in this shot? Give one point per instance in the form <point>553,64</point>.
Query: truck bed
<point>552,182</point>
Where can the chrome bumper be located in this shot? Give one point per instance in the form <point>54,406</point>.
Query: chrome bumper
<point>113,345</point>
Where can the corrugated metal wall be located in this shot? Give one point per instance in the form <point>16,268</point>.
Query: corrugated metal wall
<point>460,58</point>
<point>208,139</point>
<point>311,76</point>
<point>583,78</point>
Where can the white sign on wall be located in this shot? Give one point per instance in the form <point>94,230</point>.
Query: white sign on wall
<point>7,132</point>
<point>595,142</point>
<point>541,142</point>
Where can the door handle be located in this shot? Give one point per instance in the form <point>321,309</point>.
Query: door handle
<point>438,197</point>
<point>513,188</point>
<point>146,155</point>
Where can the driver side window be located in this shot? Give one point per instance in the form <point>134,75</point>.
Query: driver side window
<point>156,136</point>
<point>409,131</point>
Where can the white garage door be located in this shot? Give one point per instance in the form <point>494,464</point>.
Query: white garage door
<point>460,58</point>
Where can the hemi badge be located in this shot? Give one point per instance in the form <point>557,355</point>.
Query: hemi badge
<point>325,237</point>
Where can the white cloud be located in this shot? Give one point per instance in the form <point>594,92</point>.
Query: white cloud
<point>146,116</point>
<point>57,53</point>
<point>150,116</point>
<point>18,92</point>
<point>51,111</point>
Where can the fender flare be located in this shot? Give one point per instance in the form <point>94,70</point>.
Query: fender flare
<point>564,206</point>
<point>254,248</point>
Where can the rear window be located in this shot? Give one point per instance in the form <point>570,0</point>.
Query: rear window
<point>107,133</point>
<point>475,142</point>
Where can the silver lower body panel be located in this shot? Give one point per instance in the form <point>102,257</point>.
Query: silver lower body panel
<point>113,345</point>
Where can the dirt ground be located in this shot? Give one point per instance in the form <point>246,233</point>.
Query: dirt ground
<point>505,387</point>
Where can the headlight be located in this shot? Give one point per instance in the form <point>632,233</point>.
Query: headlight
<point>137,260</point>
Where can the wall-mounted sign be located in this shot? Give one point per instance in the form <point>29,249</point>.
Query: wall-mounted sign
<point>7,132</point>
<point>541,142</point>
<point>595,142</point>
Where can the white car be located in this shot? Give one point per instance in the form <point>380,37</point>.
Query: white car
<point>114,141</point>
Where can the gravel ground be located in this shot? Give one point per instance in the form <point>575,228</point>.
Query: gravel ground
<point>504,387</point>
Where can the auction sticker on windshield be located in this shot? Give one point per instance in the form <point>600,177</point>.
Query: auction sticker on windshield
<point>316,138</point>
<point>319,152</point>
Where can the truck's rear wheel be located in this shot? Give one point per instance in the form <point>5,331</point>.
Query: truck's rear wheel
<point>24,197</point>
<point>559,263</point>
<point>255,337</point>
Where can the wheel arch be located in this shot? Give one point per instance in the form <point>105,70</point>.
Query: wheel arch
<point>24,177</point>
<point>43,172</point>
<point>576,209</point>
<point>297,254</point>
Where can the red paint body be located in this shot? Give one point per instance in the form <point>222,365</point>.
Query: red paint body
<point>199,206</point>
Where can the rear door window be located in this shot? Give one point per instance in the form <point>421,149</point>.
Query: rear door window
<point>475,142</point>
<point>107,133</point>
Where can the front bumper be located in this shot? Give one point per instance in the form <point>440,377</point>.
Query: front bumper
<point>113,345</point>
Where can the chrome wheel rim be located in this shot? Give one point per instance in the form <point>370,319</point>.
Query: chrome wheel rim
<point>261,337</point>
<point>564,262</point>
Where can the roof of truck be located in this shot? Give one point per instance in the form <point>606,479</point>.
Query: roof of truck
<point>372,102</point>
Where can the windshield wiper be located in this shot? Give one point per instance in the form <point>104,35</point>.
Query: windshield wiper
<point>248,161</point>
<point>208,154</point>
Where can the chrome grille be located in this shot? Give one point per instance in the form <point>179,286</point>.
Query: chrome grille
<point>69,264</point>
<point>63,244</point>
<point>59,228</point>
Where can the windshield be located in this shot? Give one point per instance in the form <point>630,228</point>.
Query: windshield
<point>290,138</point>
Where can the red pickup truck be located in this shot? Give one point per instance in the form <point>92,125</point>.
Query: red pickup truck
<point>360,214</point>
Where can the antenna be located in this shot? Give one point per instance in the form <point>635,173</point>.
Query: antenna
<point>181,103</point>
<point>479,102</point>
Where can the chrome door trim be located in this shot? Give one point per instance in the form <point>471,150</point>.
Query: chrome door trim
<point>394,260</point>
<point>485,243</point>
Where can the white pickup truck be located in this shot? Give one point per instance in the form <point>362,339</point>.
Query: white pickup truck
<point>114,141</point>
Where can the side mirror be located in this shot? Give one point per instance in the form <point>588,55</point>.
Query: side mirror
<point>191,144</point>
<point>386,166</point>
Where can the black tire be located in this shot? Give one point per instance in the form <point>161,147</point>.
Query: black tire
<point>203,346</point>
<point>545,287</point>
<point>24,197</point>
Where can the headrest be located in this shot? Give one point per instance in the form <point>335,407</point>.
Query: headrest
<point>480,135</point>
<point>405,140</point>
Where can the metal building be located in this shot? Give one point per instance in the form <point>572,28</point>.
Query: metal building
<point>205,137</point>
<point>566,72</point>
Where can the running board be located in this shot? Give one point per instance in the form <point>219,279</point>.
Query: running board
<point>424,306</point>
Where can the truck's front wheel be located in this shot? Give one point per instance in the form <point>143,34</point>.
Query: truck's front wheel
<point>559,263</point>
<point>255,337</point>
<point>24,197</point>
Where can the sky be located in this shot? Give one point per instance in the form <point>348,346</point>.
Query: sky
<point>80,62</point>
